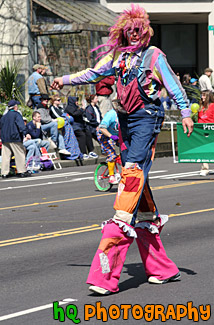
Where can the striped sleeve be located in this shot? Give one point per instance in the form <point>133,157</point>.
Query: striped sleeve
<point>102,69</point>
<point>173,85</point>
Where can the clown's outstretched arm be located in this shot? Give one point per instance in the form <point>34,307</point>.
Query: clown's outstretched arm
<point>105,67</point>
<point>176,92</point>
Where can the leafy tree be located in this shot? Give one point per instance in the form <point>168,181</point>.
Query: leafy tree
<point>9,82</point>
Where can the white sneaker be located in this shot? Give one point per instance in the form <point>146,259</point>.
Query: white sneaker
<point>99,290</point>
<point>85,157</point>
<point>93,155</point>
<point>64,152</point>
<point>154,280</point>
<point>204,172</point>
<point>113,180</point>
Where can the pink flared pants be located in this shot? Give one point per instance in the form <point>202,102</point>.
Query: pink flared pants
<point>111,254</point>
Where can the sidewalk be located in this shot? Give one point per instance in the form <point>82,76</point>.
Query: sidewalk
<point>163,149</point>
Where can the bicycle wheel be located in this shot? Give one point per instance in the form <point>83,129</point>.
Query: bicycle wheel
<point>101,177</point>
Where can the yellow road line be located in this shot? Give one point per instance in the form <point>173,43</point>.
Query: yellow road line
<point>67,232</point>
<point>180,185</point>
<point>49,233</point>
<point>57,201</point>
<point>106,194</point>
<point>190,212</point>
<point>16,241</point>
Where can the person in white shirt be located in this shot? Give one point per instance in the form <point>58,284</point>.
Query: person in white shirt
<point>205,81</point>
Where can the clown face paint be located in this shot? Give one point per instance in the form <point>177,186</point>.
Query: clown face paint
<point>133,37</point>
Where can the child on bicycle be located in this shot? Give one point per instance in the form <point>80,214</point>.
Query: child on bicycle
<point>107,135</point>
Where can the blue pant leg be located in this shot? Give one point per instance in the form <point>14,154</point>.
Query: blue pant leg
<point>123,121</point>
<point>31,149</point>
<point>45,144</point>
<point>52,128</point>
<point>143,133</point>
<point>61,143</point>
<point>139,131</point>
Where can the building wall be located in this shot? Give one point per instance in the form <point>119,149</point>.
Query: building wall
<point>14,34</point>
<point>196,12</point>
<point>68,53</point>
<point>13,31</point>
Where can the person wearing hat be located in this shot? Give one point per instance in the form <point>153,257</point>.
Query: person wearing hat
<point>37,84</point>
<point>13,131</point>
<point>194,91</point>
<point>50,125</point>
<point>205,81</point>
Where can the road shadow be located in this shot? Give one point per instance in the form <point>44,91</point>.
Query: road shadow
<point>137,276</point>
<point>200,178</point>
<point>187,271</point>
<point>112,190</point>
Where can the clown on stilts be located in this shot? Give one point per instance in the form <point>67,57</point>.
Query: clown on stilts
<point>141,71</point>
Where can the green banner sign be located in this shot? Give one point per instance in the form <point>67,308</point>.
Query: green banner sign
<point>197,148</point>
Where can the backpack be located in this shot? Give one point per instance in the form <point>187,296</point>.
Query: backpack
<point>46,163</point>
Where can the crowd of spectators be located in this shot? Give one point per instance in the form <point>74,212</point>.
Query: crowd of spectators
<point>25,139</point>
<point>193,87</point>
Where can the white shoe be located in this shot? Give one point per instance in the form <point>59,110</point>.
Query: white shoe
<point>113,180</point>
<point>99,290</point>
<point>85,157</point>
<point>64,152</point>
<point>204,172</point>
<point>154,280</point>
<point>92,155</point>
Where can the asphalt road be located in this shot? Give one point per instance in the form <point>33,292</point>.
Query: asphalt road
<point>50,230</point>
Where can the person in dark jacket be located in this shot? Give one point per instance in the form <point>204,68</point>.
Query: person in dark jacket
<point>93,115</point>
<point>35,130</point>
<point>13,130</point>
<point>56,109</point>
<point>82,134</point>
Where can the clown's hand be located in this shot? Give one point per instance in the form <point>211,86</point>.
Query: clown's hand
<point>187,123</point>
<point>57,83</point>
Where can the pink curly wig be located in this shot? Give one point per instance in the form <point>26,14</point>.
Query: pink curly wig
<point>136,17</point>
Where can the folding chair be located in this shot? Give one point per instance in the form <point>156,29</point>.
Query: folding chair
<point>52,156</point>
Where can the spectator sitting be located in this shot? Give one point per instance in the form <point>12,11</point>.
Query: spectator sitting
<point>82,134</point>
<point>71,143</point>
<point>56,109</point>
<point>36,85</point>
<point>43,73</point>
<point>93,115</point>
<point>31,148</point>
<point>13,130</point>
<point>49,125</point>
<point>35,130</point>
